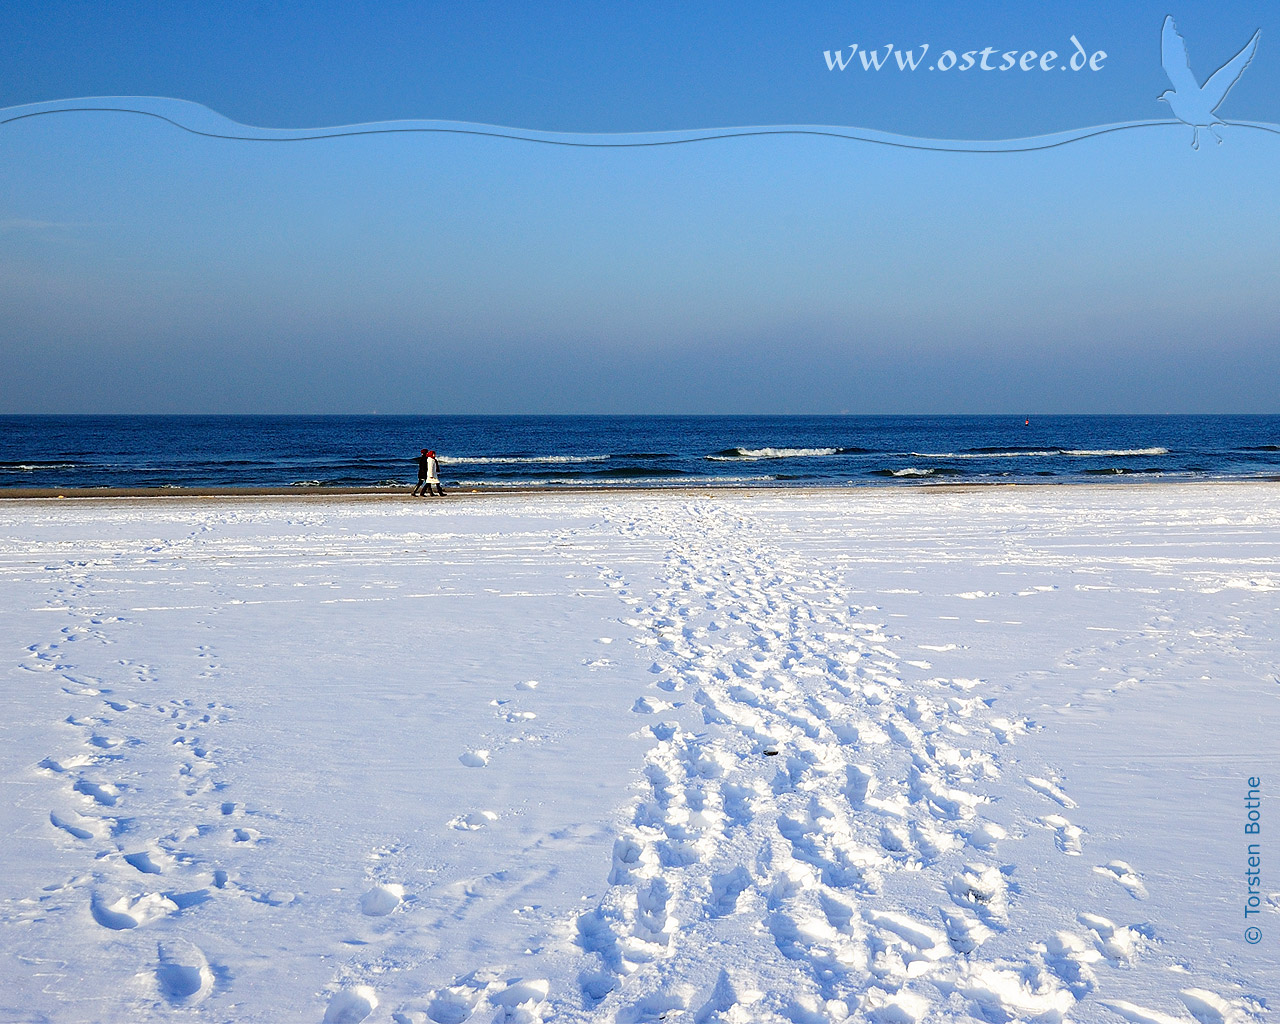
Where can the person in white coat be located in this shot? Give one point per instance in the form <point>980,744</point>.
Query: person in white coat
<point>428,474</point>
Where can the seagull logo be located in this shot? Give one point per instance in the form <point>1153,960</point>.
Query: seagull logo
<point>1192,103</point>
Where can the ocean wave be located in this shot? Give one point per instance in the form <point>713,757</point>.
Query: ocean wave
<point>1115,452</point>
<point>34,467</point>
<point>551,472</point>
<point>1123,471</point>
<point>1015,452</point>
<point>731,479</point>
<point>516,460</point>
<point>634,471</point>
<point>735,454</point>
<point>917,471</point>
<point>990,453</point>
<point>1012,449</point>
<point>604,480</point>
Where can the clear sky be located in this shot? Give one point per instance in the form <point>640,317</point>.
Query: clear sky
<point>143,269</point>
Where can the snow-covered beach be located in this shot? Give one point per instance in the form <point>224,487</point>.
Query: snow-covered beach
<point>884,755</point>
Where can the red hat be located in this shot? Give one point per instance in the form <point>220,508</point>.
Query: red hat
<point>430,453</point>
<point>425,452</point>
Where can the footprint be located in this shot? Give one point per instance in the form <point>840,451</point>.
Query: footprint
<point>883,1007</point>
<point>985,835</point>
<point>66,764</point>
<point>860,782</point>
<point>724,1001</point>
<point>1005,730</point>
<point>351,1005</point>
<point>183,975</point>
<point>652,923</point>
<point>650,706</point>
<point>1119,943</point>
<point>103,793</point>
<point>725,890</point>
<point>983,890</point>
<point>1209,1007</point>
<point>1140,1014</point>
<point>1071,958</point>
<point>79,831</point>
<point>452,1005</point>
<point>521,994</point>
<point>1122,874</point>
<point>381,900</point>
<point>924,940</point>
<point>143,862</point>
<point>1050,789</point>
<point>965,933</point>
<point>472,822</point>
<point>130,911</point>
<point>1026,994</point>
<point>269,897</point>
<point>1066,836</point>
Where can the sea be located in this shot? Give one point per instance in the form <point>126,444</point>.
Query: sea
<point>494,452</point>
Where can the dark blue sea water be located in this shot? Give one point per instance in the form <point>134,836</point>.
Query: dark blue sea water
<point>557,451</point>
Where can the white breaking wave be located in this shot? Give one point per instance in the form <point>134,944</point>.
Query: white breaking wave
<point>1048,453</point>
<point>1117,451</point>
<point>596,483</point>
<point>912,471</point>
<point>773,453</point>
<point>982,455</point>
<point>31,467</point>
<point>516,460</point>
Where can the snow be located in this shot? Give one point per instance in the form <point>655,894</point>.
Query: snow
<point>640,756</point>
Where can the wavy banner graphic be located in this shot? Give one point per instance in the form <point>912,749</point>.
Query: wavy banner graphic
<point>203,121</point>
<point>1194,105</point>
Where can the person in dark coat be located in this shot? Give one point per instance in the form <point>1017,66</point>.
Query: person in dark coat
<point>423,460</point>
<point>428,474</point>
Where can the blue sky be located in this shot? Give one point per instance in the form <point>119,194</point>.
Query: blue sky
<point>146,270</point>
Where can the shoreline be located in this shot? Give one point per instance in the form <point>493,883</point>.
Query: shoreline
<point>387,493</point>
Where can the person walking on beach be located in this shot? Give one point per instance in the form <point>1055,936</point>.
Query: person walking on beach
<point>422,485</point>
<point>428,474</point>
<point>433,474</point>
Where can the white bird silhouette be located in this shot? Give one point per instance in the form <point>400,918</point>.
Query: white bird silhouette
<point>1191,102</point>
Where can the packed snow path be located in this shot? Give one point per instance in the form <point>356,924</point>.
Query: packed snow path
<point>897,758</point>
<point>824,846</point>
